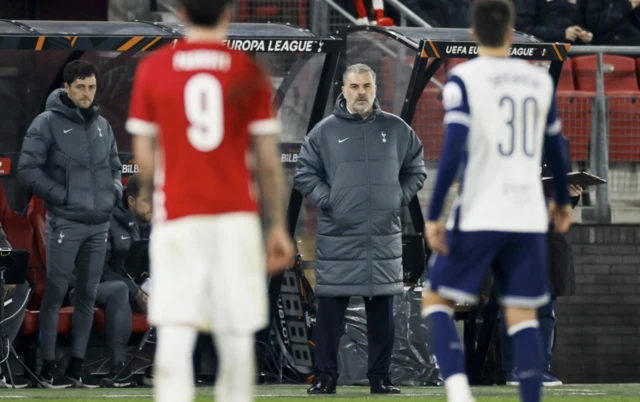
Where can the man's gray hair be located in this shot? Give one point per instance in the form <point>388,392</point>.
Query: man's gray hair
<point>358,69</point>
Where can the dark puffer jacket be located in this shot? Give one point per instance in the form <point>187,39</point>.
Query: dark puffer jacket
<point>123,231</point>
<point>70,160</point>
<point>359,173</point>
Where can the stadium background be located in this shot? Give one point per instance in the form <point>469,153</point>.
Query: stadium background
<point>599,327</point>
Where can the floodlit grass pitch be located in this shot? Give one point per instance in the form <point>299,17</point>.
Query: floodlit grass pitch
<point>295,393</point>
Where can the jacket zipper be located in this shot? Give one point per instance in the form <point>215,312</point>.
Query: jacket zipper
<point>366,160</point>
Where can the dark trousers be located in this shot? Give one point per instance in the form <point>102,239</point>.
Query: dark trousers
<point>113,296</point>
<point>71,245</point>
<point>547,320</point>
<point>330,328</point>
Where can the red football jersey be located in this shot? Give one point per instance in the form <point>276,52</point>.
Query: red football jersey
<point>203,101</point>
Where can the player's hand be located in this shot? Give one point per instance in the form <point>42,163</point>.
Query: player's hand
<point>279,251</point>
<point>142,299</point>
<point>8,291</point>
<point>572,33</point>
<point>561,216</point>
<point>575,190</point>
<point>634,3</point>
<point>435,235</point>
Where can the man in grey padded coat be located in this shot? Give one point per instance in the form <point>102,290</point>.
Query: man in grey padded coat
<point>70,160</point>
<point>359,166</point>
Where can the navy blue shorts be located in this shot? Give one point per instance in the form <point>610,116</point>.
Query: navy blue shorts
<point>518,260</point>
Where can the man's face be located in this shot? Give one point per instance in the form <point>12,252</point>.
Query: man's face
<point>141,207</point>
<point>360,92</point>
<point>82,91</point>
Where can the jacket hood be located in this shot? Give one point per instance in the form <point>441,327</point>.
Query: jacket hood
<point>56,104</point>
<point>122,214</point>
<point>340,110</point>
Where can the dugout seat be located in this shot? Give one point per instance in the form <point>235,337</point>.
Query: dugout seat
<point>576,111</point>
<point>19,233</point>
<point>36,214</point>
<point>623,93</point>
<point>624,120</point>
<point>619,74</point>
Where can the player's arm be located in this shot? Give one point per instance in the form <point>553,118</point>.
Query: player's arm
<point>265,130</point>
<point>456,127</point>
<point>142,125</point>
<point>554,150</point>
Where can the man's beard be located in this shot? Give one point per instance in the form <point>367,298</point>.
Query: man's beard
<point>361,106</point>
<point>141,217</point>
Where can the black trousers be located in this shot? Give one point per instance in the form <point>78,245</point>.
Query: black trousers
<point>330,328</point>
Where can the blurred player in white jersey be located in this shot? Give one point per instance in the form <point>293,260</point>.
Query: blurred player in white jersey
<point>197,109</point>
<point>500,115</point>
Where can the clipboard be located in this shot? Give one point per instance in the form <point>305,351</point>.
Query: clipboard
<point>582,179</point>
<point>15,263</point>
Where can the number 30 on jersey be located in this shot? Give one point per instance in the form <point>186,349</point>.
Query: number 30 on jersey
<point>526,113</point>
<point>203,104</point>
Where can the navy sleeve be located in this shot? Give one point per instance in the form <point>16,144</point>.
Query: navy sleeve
<point>556,156</point>
<point>456,123</point>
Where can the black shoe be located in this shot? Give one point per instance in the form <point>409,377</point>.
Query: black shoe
<point>119,377</point>
<point>322,385</point>
<point>81,377</point>
<point>52,377</point>
<point>19,382</point>
<point>383,387</point>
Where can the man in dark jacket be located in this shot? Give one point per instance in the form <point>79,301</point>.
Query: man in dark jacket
<point>613,22</point>
<point>69,159</point>
<point>16,298</point>
<point>117,293</point>
<point>552,20</point>
<point>358,166</point>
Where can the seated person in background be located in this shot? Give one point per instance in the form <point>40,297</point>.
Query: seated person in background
<point>17,297</point>
<point>117,293</point>
<point>613,22</point>
<point>552,20</point>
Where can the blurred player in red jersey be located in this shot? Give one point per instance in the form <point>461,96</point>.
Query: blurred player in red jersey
<point>197,109</point>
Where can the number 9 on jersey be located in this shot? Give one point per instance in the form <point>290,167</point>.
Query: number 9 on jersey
<point>204,111</point>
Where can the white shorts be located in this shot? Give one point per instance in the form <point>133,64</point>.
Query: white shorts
<point>209,272</point>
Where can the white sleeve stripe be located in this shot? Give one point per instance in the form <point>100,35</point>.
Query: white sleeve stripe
<point>141,127</point>
<point>458,118</point>
<point>265,127</point>
<point>554,128</point>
